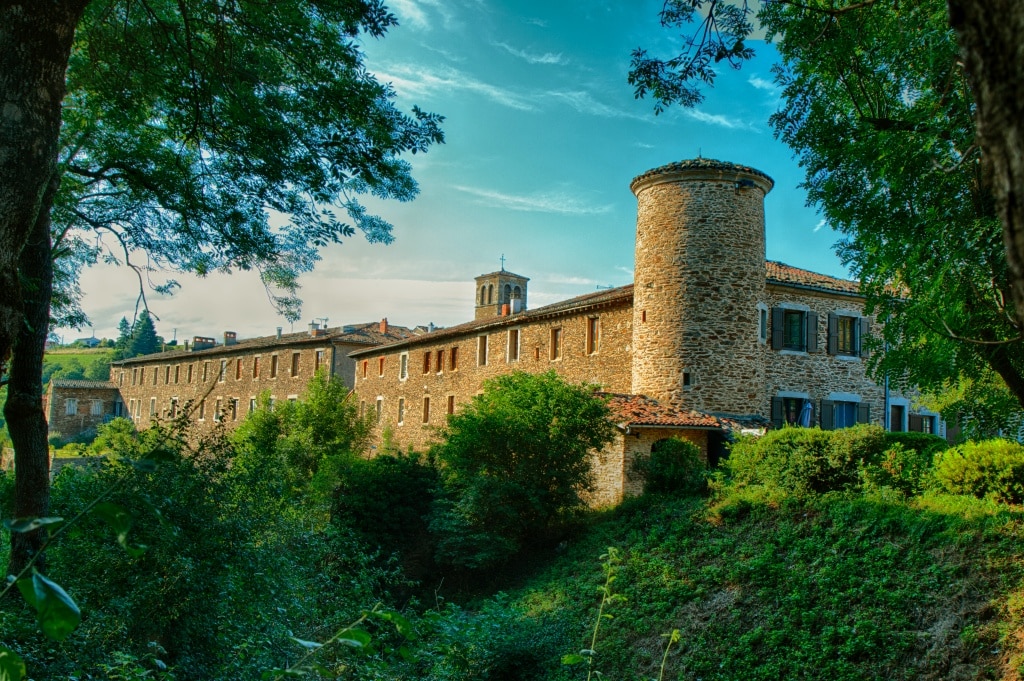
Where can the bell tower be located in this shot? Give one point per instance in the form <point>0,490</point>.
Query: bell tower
<point>499,294</point>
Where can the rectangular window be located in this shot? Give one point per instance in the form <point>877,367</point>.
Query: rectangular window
<point>453,362</point>
<point>846,336</point>
<point>120,378</point>
<point>177,373</point>
<point>256,367</point>
<point>556,344</point>
<point>762,328</point>
<point>173,409</point>
<point>793,330</point>
<point>135,376</point>
<point>380,367</point>
<point>593,334</point>
<point>152,406</point>
<point>318,360</point>
<point>426,362</point>
<point>273,366</point>
<point>295,364</point>
<point>513,345</point>
<point>202,410</point>
<point>96,408</point>
<point>167,374</point>
<point>238,369</point>
<point>451,404</point>
<point>252,404</point>
<point>403,366</point>
<point>896,414</point>
<point>206,371</point>
<point>426,409</point>
<point>156,374</point>
<point>366,366</point>
<point>223,371</point>
<point>481,351</point>
<point>440,361</point>
<point>234,409</point>
<point>71,406</point>
<point>401,410</point>
<point>921,423</point>
<point>188,373</point>
<point>845,414</point>
<point>217,411</point>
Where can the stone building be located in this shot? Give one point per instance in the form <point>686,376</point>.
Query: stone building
<point>710,337</point>
<point>73,407</point>
<point>221,382</point>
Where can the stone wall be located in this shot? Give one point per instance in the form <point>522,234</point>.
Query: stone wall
<point>817,374</point>
<point>699,270</point>
<point>88,407</point>
<point>444,388</point>
<point>163,385</point>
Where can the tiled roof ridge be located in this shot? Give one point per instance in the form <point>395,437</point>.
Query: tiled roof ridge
<point>641,410</point>
<point>602,297</point>
<point>700,164</point>
<point>395,332</point>
<point>80,383</point>
<point>780,272</point>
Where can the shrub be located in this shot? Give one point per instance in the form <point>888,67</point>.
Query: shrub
<point>514,461</point>
<point>675,465</point>
<point>900,468</point>
<point>790,461</point>
<point>992,468</point>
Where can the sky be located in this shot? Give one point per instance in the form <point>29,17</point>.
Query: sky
<point>543,136</point>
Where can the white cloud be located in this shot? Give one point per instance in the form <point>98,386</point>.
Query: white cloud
<point>718,120</point>
<point>626,270</point>
<point>410,13</point>
<point>546,58</point>
<point>417,81</point>
<point>583,102</point>
<point>762,84</point>
<point>820,224</point>
<point>540,203</point>
<point>536,22</point>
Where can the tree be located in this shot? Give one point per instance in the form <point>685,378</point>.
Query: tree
<point>879,111</point>
<point>513,461</point>
<point>144,340</point>
<point>124,338</point>
<point>185,125</point>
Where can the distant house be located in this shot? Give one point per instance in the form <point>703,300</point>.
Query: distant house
<point>91,342</point>
<point>74,407</point>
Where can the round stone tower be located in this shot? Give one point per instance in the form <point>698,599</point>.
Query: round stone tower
<point>699,286</point>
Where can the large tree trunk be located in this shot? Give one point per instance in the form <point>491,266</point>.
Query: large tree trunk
<point>24,408</point>
<point>990,34</point>
<point>35,43</point>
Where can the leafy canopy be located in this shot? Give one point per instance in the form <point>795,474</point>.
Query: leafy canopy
<point>209,135</point>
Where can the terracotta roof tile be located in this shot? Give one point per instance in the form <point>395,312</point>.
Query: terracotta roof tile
<point>700,164</point>
<point>780,273</point>
<point>640,410</point>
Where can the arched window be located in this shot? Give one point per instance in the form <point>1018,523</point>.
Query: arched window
<point>517,293</point>
<point>483,295</point>
<point>508,294</point>
<point>490,293</point>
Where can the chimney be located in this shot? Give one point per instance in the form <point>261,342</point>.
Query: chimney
<point>384,325</point>
<point>279,333</point>
<point>504,310</point>
<point>314,329</point>
<point>230,338</point>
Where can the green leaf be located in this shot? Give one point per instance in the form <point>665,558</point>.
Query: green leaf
<point>12,667</point>
<point>120,521</point>
<point>23,525</point>
<point>403,625</point>
<point>572,658</point>
<point>354,638</point>
<point>307,644</point>
<point>58,614</point>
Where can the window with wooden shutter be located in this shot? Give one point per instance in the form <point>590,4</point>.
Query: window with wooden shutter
<point>778,333</point>
<point>828,415</point>
<point>777,414</point>
<point>865,333</point>
<point>864,413</point>
<point>832,342</point>
<point>812,331</point>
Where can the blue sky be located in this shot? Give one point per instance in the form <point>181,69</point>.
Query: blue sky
<point>543,137</point>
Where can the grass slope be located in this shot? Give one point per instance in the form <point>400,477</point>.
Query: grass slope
<point>839,587</point>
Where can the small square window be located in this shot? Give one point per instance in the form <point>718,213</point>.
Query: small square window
<point>71,406</point>
<point>96,408</point>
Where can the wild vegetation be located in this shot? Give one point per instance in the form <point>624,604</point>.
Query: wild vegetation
<point>847,554</point>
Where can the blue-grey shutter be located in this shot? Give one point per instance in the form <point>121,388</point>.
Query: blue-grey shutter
<point>833,333</point>
<point>862,337</point>
<point>812,332</point>
<point>828,415</point>
<point>863,413</point>
<point>777,416</point>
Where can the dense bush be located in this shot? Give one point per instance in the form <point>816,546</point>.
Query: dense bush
<point>992,468</point>
<point>675,465</point>
<point>801,461</point>
<point>514,461</point>
<point>387,501</point>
